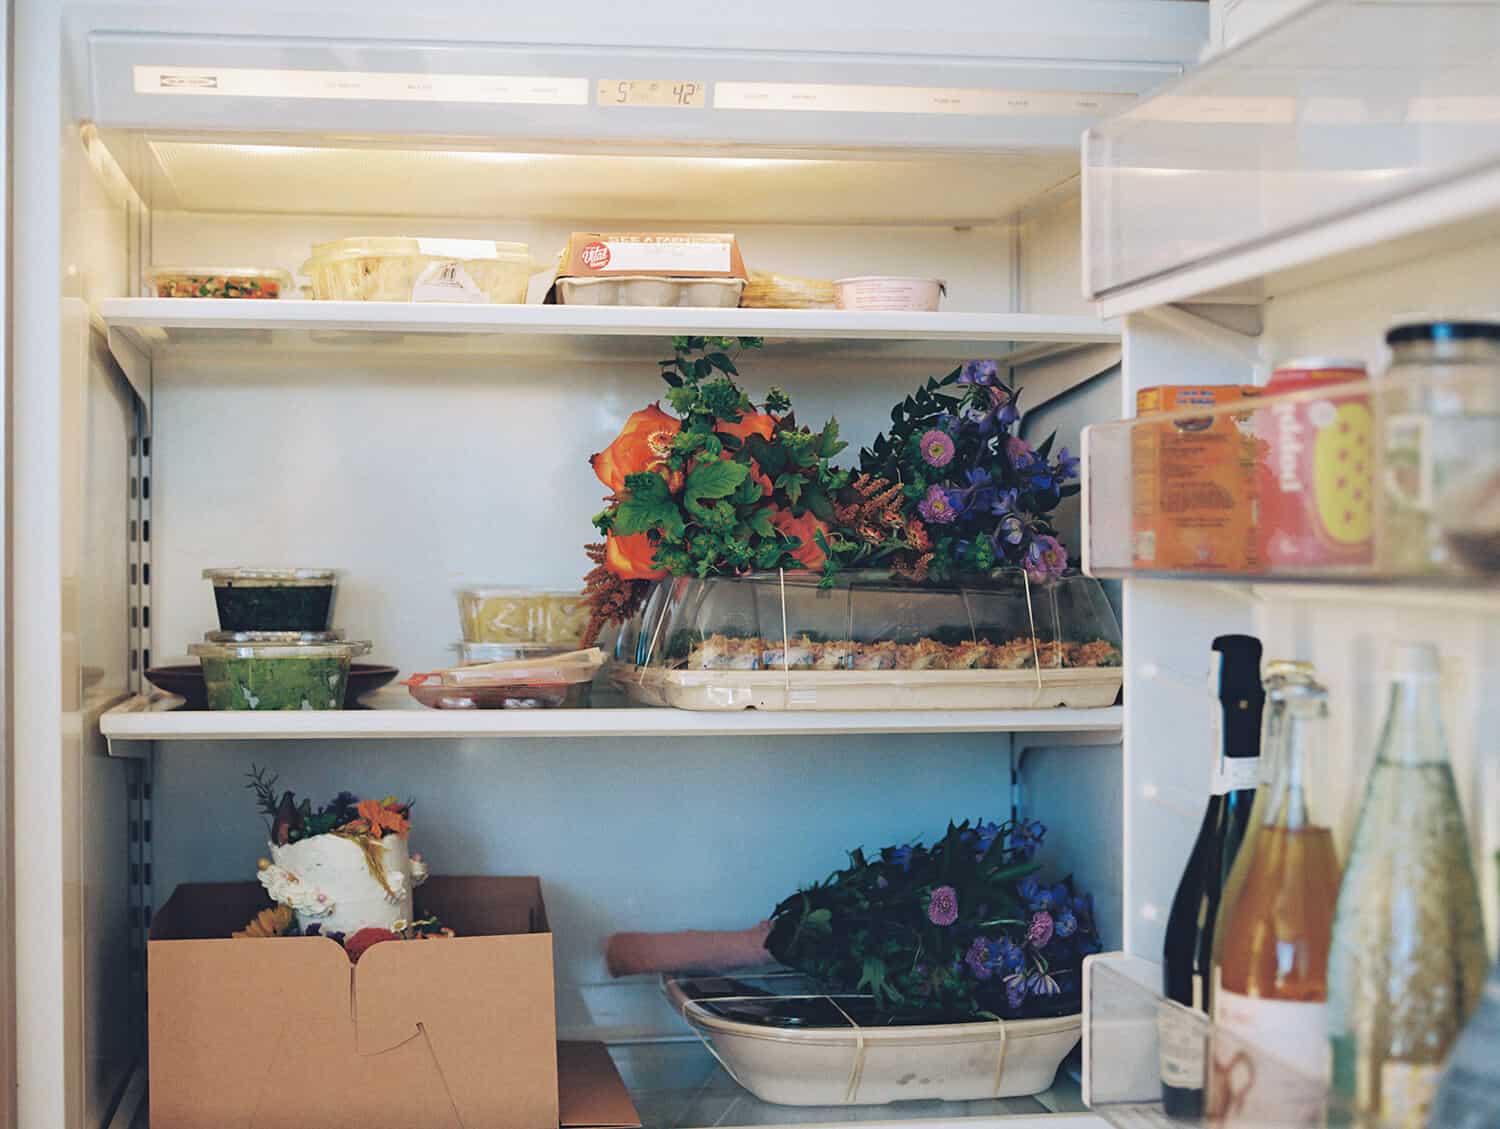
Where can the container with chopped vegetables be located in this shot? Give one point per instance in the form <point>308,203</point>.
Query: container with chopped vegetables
<point>273,599</point>
<point>276,676</point>
<point>218,282</point>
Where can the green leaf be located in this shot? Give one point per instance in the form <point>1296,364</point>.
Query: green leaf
<point>830,444</point>
<point>792,484</point>
<point>714,480</point>
<point>702,368</point>
<point>641,517</point>
<point>747,492</point>
<point>722,362</point>
<point>760,522</point>
<point>819,503</point>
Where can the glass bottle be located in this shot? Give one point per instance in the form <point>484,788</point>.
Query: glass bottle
<point>1469,1094</point>
<point>1271,987</point>
<point>1188,944</point>
<point>1409,958</point>
<point>1441,459</point>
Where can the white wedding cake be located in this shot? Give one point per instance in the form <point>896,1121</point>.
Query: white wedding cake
<point>343,884</point>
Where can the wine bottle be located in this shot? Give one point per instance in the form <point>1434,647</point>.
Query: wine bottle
<point>1409,958</point>
<point>1269,1061</point>
<point>1188,948</point>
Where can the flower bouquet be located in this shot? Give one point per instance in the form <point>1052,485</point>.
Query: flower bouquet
<point>946,971</point>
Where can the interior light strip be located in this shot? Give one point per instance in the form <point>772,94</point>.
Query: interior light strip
<point>863,99</point>
<point>379,86</point>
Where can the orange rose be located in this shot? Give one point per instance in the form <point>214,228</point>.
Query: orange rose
<point>643,445</point>
<point>805,528</point>
<point>751,423</point>
<point>629,558</point>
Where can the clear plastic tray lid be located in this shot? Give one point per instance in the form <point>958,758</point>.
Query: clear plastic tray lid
<point>281,638</point>
<point>552,670</point>
<point>273,577</point>
<point>225,651</point>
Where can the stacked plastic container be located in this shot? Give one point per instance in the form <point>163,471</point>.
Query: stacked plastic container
<point>275,648</point>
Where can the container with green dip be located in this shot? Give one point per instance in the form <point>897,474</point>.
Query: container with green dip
<point>276,675</point>
<point>273,599</point>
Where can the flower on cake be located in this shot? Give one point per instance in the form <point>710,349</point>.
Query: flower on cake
<point>376,817</point>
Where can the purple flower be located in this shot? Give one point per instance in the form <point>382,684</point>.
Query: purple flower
<point>937,507</point>
<point>1040,984</point>
<point>1007,415</point>
<point>882,882</point>
<point>986,834</point>
<point>937,448</point>
<point>1046,559</point>
<point>979,372</point>
<point>1065,923</point>
<point>1027,836</point>
<point>898,856</point>
<point>1039,932</point>
<point>1034,894</point>
<point>978,959</point>
<point>942,906</point>
<point>1015,990</point>
<point>1011,530</point>
<point>1020,452</point>
<point>1067,465</point>
<point>1006,502</point>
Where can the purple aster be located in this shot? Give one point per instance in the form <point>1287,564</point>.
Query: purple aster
<point>1065,924</point>
<point>937,507</point>
<point>942,906</point>
<point>1067,465</point>
<point>936,447</point>
<point>1039,932</point>
<point>1046,559</point>
<point>979,372</point>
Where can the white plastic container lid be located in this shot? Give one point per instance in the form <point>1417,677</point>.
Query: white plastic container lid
<point>551,670</point>
<point>469,653</point>
<point>284,278</point>
<point>400,246</point>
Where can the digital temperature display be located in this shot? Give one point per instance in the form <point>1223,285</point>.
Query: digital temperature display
<point>652,92</point>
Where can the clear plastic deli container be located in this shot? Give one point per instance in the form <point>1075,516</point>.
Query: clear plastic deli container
<point>650,290</point>
<point>273,599</point>
<point>408,269</point>
<point>522,615</point>
<point>276,676</point>
<point>218,282</point>
<point>545,683</point>
<point>871,642</point>
<point>470,654</point>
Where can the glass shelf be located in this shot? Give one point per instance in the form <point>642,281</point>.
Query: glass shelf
<point>1279,152</point>
<point>1123,1016</point>
<point>1365,483</point>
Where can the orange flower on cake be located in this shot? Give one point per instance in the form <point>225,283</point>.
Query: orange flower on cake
<point>805,528</point>
<point>630,557</point>
<point>384,815</point>
<point>643,445</point>
<point>751,423</point>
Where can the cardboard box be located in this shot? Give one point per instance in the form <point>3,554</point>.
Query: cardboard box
<point>419,1034</point>
<point>1193,482</point>
<point>591,1094</point>
<point>670,254</point>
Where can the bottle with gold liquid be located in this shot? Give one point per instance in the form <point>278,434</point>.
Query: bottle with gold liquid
<point>1270,1051</point>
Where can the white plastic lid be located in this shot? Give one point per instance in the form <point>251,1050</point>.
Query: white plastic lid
<point>285,638</point>
<point>380,246</point>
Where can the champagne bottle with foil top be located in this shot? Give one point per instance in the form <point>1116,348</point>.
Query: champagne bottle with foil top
<point>1270,1051</point>
<point>1409,957</point>
<point>1188,946</point>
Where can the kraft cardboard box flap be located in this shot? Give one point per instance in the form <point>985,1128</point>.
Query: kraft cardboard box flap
<point>435,1033</point>
<point>591,1094</point>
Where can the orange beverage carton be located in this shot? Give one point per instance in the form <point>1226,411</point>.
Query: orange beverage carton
<point>1193,485</point>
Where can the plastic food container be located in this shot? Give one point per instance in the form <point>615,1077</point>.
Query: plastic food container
<point>522,615</point>
<point>273,599</point>
<point>767,290</point>
<point>868,642</point>
<point>218,282</point>
<point>276,676</point>
<point>285,638</point>
<point>545,683</point>
<point>406,269</point>
<point>874,1065</point>
<point>888,292</point>
<point>650,290</point>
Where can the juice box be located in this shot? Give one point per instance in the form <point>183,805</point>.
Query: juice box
<point>1193,482</point>
<point>1317,476</point>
